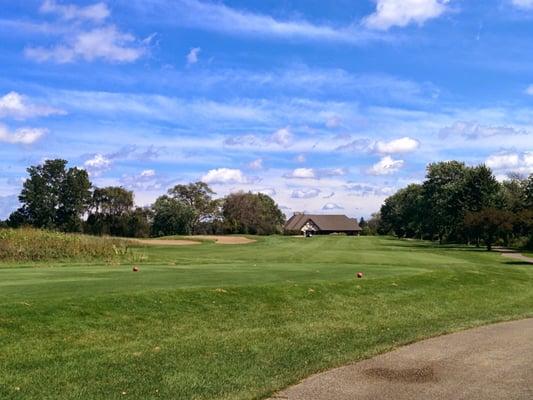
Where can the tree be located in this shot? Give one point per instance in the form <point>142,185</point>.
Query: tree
<point>528,192</point>
<point>402,212</point>
<point>444,197</point>
<point>110,211</point>
<point>54,197</point>
<point>139,222</point>
<point>481,189</point>
<point>198,196</point>
<point>490,224</point>
<point>512,194</point>
<point>250,213</point>
<point>171,217</point>
<point>373,225</point>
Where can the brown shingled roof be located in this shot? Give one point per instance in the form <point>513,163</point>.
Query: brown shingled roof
<point>331,223</point>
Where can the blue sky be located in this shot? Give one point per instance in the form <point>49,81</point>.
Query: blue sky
<point>325,106</point>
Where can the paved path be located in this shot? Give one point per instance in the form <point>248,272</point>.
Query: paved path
<point>494,362</point>
<point>514,255</point>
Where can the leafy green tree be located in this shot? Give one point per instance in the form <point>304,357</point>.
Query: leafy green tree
<point>54,197</point>
<point>402,212</point>
<point>172,217</point>
<point>481,189</point>
<point>110,211</point>
<point>490,224</point>
<point>139,222</point>
<point>512,195</point>
<point>250,213</point>
<point>199,197</point>
<point>445,198</point>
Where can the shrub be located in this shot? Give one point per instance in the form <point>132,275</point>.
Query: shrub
<point>29,244</point>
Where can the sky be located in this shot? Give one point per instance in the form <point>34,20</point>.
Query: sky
<point>327,106</point>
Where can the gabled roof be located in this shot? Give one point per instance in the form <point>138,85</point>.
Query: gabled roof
<point>333,223</point>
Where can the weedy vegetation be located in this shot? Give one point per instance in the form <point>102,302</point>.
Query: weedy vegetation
<point>29,244</point>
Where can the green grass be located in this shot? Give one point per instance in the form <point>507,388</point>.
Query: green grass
<point>238,322</point>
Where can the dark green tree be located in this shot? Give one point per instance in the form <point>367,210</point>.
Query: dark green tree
<point>490,224</point>
<point>250,213</point>
<point>172,217</point>
<point>444,197</point>
<point>110,211</point>
<point>199,197</point>
<point>54,197</point>
<point>402,213</point>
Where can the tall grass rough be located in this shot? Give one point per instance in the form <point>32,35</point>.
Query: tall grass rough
<point>29,244</point>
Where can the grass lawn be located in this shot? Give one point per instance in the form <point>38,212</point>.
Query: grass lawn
<point>238,322</point>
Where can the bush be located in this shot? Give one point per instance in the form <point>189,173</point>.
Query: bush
<point>29,244</point>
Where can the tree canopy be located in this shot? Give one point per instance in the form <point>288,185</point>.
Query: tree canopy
<point>54,197</point>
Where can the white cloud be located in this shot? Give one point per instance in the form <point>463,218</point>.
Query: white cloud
<point>192,57</point>
<point>511,162</point>
<point>503,161</point>
<point>402,145</point>
<point>21,135</point>
<point>268,191</point>
<point>472,130</point>
<point>401,13</point>
<point>219,17</point>
<point>525,4</point>
<point>305,193</point>
<point>96,12</point>
<point>16,106</point>
<point>387,165</point>
<point>332,206</point>
<point>256,164</point>
<point>97,164</point>
<point>148,173</point>
<point>301,173</point>
<point>283,137</point>
<point>224,176</point>
<point>106,43</point>
<point>328,172</point>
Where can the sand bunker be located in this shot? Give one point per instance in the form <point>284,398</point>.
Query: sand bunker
<point>192,240</point>
<point>224,239</point>
<point>169,242</point>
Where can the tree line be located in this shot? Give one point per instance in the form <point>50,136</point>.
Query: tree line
<point>57,197</point>
<point>461,204</point>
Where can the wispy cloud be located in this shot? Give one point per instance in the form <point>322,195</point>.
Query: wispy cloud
<point>106,43</point>
<point>474,130</point>
<point>21,135</point>
<point>95,12</point>
<point>79,42</point>
<point>222,18</point>
<point>524,4</point>
<point>193,55</point>
<point>14,105</point>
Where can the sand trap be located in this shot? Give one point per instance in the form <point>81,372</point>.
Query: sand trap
<point>224,239</point>
<point>170,242</point>
<point>192,240</point>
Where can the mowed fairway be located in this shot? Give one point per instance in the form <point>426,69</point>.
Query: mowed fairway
<point>238,322</point>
